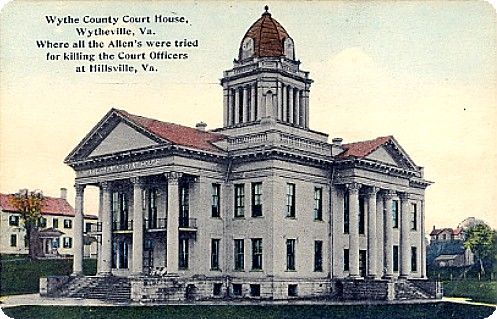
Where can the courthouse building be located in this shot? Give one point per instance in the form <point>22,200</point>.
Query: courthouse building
<point>264,207</point>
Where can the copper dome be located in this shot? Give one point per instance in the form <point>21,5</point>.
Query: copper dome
<point>268,37</point>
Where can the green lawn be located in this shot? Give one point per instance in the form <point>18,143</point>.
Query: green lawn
<point>425,311</point>
<point>19,275</point>
<point>483,291</point>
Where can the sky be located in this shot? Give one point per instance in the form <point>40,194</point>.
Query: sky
<point>423,71</point>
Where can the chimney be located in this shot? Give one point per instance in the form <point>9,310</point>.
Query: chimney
<point>63,193</point>
<point>201,126</point>
<point>337,141</point>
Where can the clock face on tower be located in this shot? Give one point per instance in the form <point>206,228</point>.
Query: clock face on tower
<point>247,48</point>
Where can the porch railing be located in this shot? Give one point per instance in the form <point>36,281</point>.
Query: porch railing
<point>185,222</point>
<point>122,225</point>
<point>158,223</point>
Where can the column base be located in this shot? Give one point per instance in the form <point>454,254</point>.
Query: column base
<point>355,277</point>
<point>388,277</point>
<point>77,274</point>
<point>371,277</point>
<point>104,274</point>
<point>136,274</point>
<point>403,277</point>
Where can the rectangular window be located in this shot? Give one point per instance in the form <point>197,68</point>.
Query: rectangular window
<point>255,290</point>
<point>346,213</point>
<point>215,204</point>
<point>318,255</point>
<point>318,203</point>
<point>239,200</point>
<point>414,259</point>
<point>184,206</point>
<point>67,223</point>
<point>13,220</point>
<point>217,288</point>
<point>237,289</point>
<point>361,215</point>
<point>151,208</point>
<point>290,254</point>
<point>67,242</point>
<point>345,260</point>
<point>55,223</point>
<point>256,199</point>
<point>56,243</point>
<point>239,254</point>
<point>395,258</point>
<point>395,213</point>
<point>215,254</point>
<point>256,253</point>
<point>290,200</point>
<point>13,240</point>
<point>42,222</point>
<point>414,216</point>
<point>88,227</point>
<point>293,290</point>
<point>183,253</point>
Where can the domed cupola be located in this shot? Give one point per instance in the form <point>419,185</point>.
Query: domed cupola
<point>266,38</point>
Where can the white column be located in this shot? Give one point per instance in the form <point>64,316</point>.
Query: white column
<point>231,107</point>
<point>423,242</point>
<point>279,115</point>
<point>297,107</point>
<point>253,103</point>
<point>285,103</point>
<point>290,104</point>
<point>106,218</point>
<point>78,231</point>
<point>306,107</point>
<point>172,221</point>
<point>380,237</point>
<point>405,247</point>
<point>237,107</point>
<point>372,239</point>
<point>137,269</point>
<point>353,189</point>
<point>388,252</point>
<point>226,107</point>
<point>245,110</point>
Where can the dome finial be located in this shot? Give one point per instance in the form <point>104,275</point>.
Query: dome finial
<point>266,13</point>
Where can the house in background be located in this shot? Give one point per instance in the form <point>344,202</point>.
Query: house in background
<point>446,248</point>
<point>55,235</point>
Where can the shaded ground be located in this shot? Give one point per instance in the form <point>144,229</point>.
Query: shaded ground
<point>434,310</point>
<point>19,275</point>
<point>483,291</point>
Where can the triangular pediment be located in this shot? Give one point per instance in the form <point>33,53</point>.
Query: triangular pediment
<point>114,134</point>
<point>391,153</point>
<point>122,138</point>
<point>382,155</point>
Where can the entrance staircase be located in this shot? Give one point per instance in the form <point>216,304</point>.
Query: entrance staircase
<point>405,290</point>
<point>115,289</point>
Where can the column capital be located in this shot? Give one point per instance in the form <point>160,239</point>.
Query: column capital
<point>389,194</point>
<point>372,190</point>
<point>80,188</point>
<point>105,186</point>
<point>137,180</point>
<point>405,196</point>
<point>172,177</point>
<point>353,187</point>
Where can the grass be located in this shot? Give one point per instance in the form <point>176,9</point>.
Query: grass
<point>19,275</point>
<point>482,291</point>
<point>439,311</point>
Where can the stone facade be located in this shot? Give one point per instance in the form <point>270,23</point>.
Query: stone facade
<point>262,208</point>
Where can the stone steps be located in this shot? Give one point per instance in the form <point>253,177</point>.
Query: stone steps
<point>105,288</point>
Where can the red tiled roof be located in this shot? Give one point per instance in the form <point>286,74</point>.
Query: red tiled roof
<point>177,134</point>
<point>51,205</point>
<point>457,231</point>
<point>268,36</point>
<point>364,148</point>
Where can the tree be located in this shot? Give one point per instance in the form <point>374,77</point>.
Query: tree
<point>482,240</point>
<point>29,205</point>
